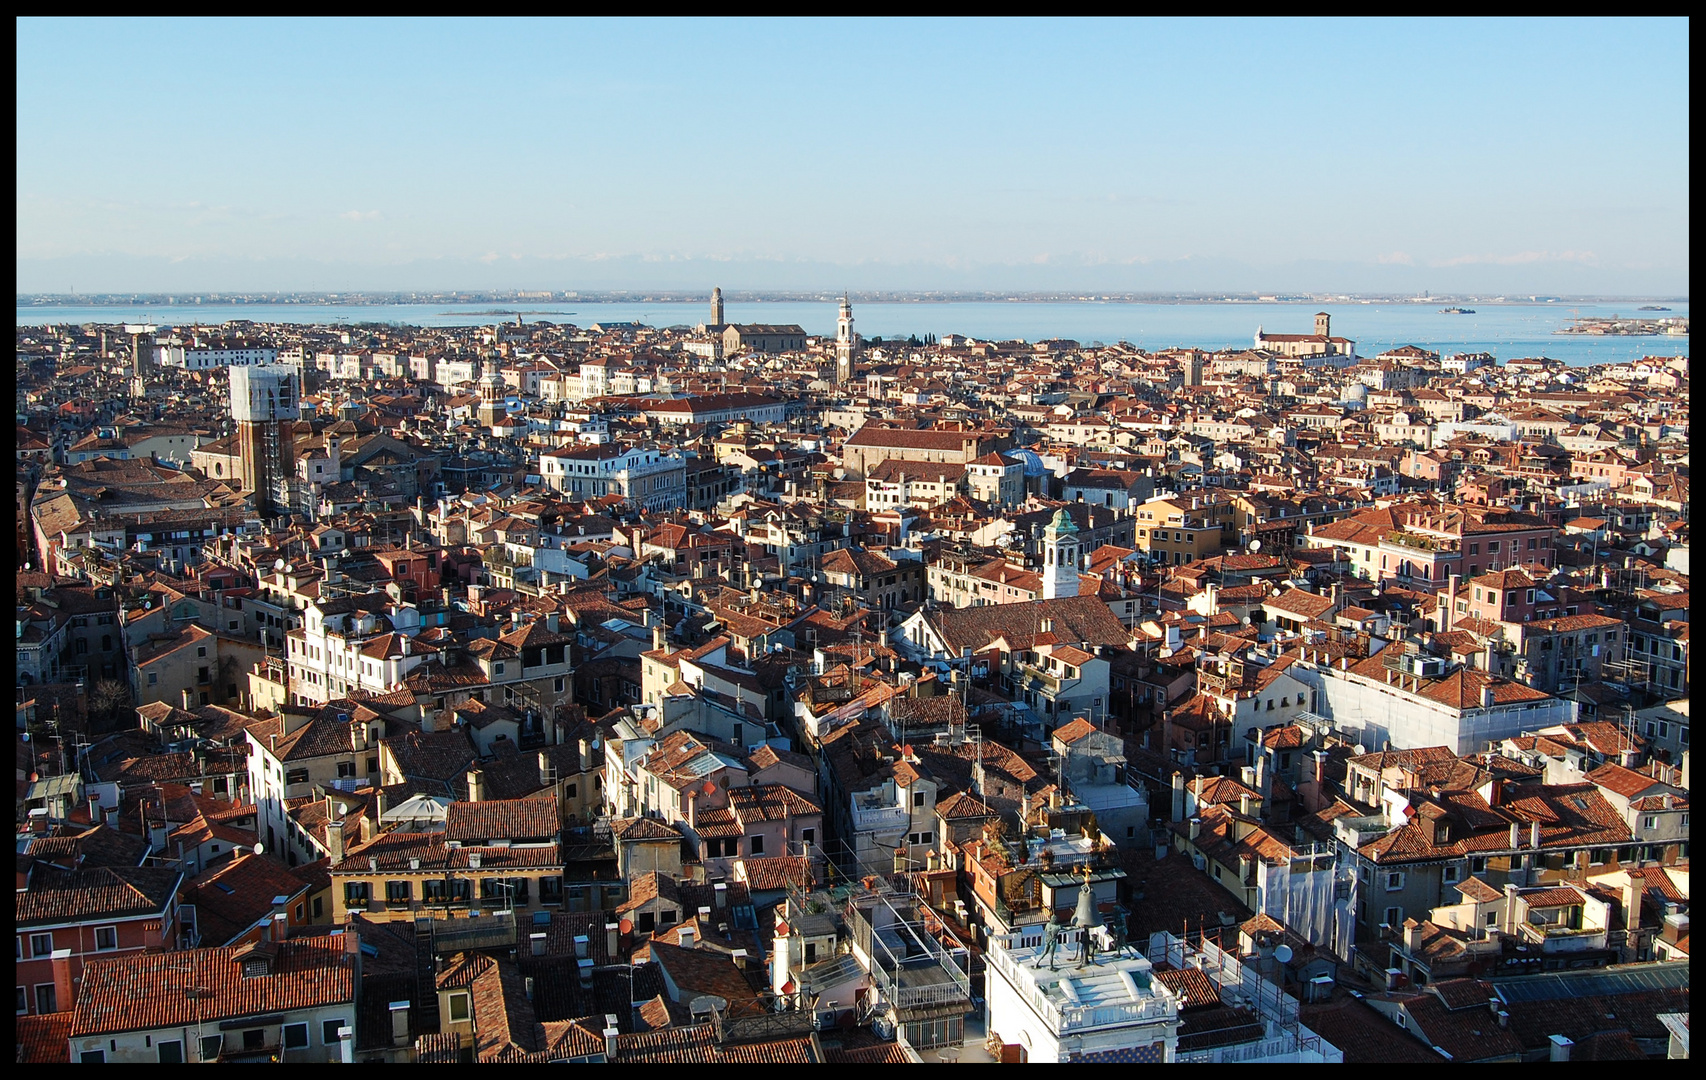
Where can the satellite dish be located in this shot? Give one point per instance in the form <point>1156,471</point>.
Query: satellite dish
<point>260,848</point>
<point>1283,954</point>
<point>278,564</point>
<point>1255,546</point>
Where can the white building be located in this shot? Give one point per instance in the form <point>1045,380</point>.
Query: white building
<point>208,357</point>
<point>1409,702</point>
<point>1060,1009</point>
<point>654,479</point>
<point>340,648</point>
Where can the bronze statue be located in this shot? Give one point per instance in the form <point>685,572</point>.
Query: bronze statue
<point>1051,938</point>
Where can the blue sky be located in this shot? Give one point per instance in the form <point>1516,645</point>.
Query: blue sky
<point>1515,156</point>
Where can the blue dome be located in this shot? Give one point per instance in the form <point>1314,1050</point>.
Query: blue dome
<point>1028,458</point>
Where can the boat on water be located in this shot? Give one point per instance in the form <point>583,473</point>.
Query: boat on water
<point>1457,311</point>
<point>1652,307</point>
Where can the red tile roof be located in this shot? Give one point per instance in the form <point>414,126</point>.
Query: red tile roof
<point>147,990</point>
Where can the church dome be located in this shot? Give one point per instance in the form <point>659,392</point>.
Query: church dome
<point>1062,522</point>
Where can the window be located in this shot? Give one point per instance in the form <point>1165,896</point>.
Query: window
<point>1394,917</point>
<point>201,651</point>
<point>1394,881</point>
<point>295,1036</point>
<point>1651,821</point>
<point>23,1001</point>
<point>551,890</point>
<point>458,1008</point>
<point>172,1051</point>
<point>497,669</point>
<point>399,892</point>
<point>346,768</point>
<point>296,776</point>
<point>918,798</point>
<point>41,945</point>
<point>45,999</point>
<point>153,677</point>
<point>92,1057</point>
<point>1453,873</point>
<point>755,845</point>
<point>106,938</point>
<point>355,894</point>
<point>809,836</point>
<point>210,1046</point>
<point>329,1031</point>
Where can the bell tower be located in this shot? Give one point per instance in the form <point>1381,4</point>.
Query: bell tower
<point>844,342</point>
<point>717,307</point>
<point>1060,557</point>
<point>1323,324</point>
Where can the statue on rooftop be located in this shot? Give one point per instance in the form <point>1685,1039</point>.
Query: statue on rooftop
<point>1051,939</point>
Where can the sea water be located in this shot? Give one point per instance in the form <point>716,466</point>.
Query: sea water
<point>1507,330</point>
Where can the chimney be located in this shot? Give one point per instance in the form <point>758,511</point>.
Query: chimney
<point>583,946</point>
<point>400,1023</point>
<point>1632,890</point>
<point>278,928</point>
<point>1516,836</point>
<point>1196,827</point>
<point>476,784</point>
<point>612,944</point>
<point>379,801</point>
<point>1450,611</point>
<point>657,638</point>
<point>1244,866</point>
<point>335,841</point>
<point>720,893</point>
<point>1534,834</point>
<point>1244,807</point>
<point>369,828</point>
<point>536,943</point>
<point>1486,697</point>
<point>687,936</point>
<point>545,777</point>
<point>552,621</point>
<point>1504,1019</point>
<point>1178,796</point>
<point>610,1034</point>
<point>346,1045</point>
<point>1412,935</point>
<point>64,999</point>
<point>1561,1045</point>
<point>1320,767</point>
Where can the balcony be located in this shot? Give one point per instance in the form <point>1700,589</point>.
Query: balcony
<point>870,814</point>
<point>908,964</point>
<point>1417,542</point>
<point>477,932</point>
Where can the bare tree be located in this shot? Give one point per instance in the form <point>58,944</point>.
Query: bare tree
<point>110,706</point>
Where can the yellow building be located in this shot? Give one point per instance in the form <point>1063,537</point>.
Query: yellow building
<point>1178,529</point>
